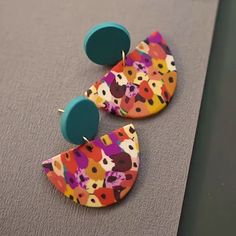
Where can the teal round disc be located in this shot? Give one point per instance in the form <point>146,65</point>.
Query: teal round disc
<point>104,43</point>
<point>79,119</point>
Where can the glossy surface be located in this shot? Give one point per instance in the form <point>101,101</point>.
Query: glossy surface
<point>143,86</point>
<point>99,173</point>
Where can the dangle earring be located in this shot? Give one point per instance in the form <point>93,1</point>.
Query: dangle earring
<point>142,83</point>
<point>99,172</point>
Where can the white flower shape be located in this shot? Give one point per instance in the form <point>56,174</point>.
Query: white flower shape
<point>106,162</point>
<point>58,166</point>
<point>131,132</point>
<point>156,85</point>
<point>104,92</point>
<point>170,62</point>
<point>143,47</point>
<point>129,147</point>
<point>120,78</point>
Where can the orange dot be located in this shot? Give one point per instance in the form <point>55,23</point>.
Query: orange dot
<point>57,164</point>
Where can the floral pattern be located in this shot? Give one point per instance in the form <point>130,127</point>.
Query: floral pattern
<point>99,173</point>
<point>141,87</point>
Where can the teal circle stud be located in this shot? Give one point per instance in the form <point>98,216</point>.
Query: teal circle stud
<point>79,119</point>
<point>104,43</point>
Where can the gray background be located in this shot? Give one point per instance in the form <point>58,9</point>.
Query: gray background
<point>42,66</point>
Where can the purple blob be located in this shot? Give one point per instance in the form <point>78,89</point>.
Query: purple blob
<point>82,178</point>
<point>114,178</point>
<point>71,180</point>
<point>140,67</point>
<point>131,90</point>
<point>129,61</point>
<point>110,149</point>
<point>111,107</point>
<point>81,159</point>
<point>155,37</point>
<point>47,166</point>
<point>146,60</point>
<point>108,78</point>
<point>114,138</point>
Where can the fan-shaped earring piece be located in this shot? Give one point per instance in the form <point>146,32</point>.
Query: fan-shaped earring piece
<point>99,173</point>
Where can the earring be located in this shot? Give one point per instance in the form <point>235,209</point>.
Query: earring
<point>141,84</point>
<point>98,172</point>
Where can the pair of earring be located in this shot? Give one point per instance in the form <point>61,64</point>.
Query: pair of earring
<point>100,172</point>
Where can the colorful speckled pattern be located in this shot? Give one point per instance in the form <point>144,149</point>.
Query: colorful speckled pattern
<point>100,173</point>
<point>144,86</point>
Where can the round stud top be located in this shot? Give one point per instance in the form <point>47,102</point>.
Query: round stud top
<point>104,43</point>
<point>79,119</point>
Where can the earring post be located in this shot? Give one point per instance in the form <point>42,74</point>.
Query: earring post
<point>123,57</point>
<point>87,142</point>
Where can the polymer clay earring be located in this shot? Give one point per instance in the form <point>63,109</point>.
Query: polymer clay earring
<point>99,172</point>
<point>141,84</point>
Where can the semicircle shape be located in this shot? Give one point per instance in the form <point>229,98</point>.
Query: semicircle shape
<point>143,86</point>
<point>99,173</point>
